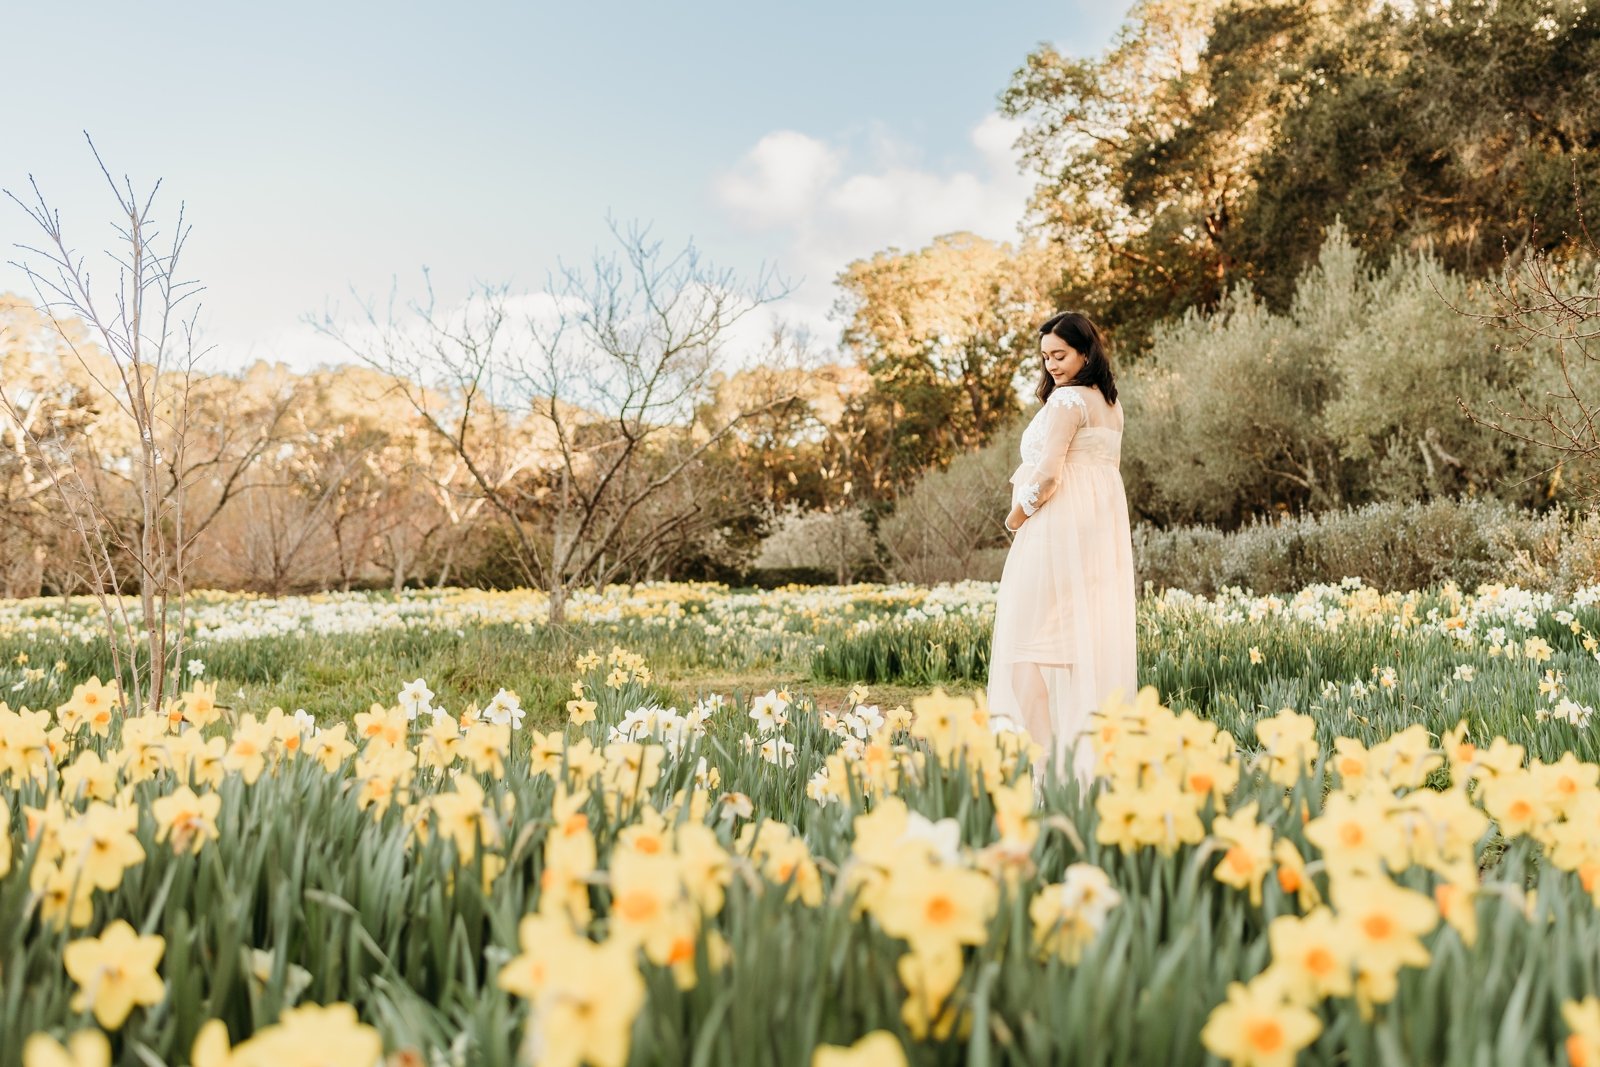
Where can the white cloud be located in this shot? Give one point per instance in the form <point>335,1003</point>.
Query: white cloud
<point>777,181</point>
<point>831,209</point>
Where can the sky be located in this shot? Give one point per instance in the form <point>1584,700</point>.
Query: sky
<point>328,152</point>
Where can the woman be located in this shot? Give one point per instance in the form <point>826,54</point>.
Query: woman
<point>1064,623</point>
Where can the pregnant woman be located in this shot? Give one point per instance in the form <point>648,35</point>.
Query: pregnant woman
<point>1064,623</point>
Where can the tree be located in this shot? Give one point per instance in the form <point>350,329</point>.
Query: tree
<point>1144,155</point>
<point>49,409</point>
<point>572,421</point>
<point>1549,311</point>
<point>1459,124</point>
<point>1215,142</point>
<point>133,509</point>
<point>948,334</point>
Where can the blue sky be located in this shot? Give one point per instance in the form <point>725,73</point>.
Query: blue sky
<point>321,147</point>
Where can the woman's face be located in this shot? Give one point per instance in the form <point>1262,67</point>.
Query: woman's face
<point>1061,360</point>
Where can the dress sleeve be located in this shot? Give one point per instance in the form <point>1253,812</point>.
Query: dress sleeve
<point>1065,415</point>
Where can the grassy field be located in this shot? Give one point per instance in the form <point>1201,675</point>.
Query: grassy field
<point>701,826</point>
<point>1363,662</point>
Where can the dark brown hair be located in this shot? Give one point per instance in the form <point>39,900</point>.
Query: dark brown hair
<point>1084,337</point>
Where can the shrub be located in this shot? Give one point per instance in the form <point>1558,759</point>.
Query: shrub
<point>1390,545</point>
<point>838,544</point>
<point>1347,397</point>
<point>950,525</point>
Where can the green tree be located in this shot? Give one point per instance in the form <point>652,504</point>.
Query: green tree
<point>948,334</point>
<point>1467,125</point>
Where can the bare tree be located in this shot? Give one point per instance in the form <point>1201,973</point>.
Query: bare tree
<point>572,419</point>
<point>1551,309</point>
<point>138,348</point>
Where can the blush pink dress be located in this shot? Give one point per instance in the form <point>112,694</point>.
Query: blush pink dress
<point>1064,618</point>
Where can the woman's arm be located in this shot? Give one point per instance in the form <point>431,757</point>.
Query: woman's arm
<point>1065,414</point>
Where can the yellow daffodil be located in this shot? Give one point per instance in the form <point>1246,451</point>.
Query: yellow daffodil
<point>1310,956</point>
<point>200,705</point>
<point>1247,853</point>
<point>929,905</point>
<point>101,844</point>
<point>330,747</point>
<point>115,972</point>
<point>188,820</point>
<point>86,1048</point>
<point>1356,834</point>
<point>585,1011</point>
<point>1257,1027</point>
<point>311,1036</point>
<point>1290,745</point>
<point>1068,916</point>
<point>1583,1019</point>
<point>877,1049</point>
<point>89,777</point>
<point>1383,924</point>
<point>930,972</point>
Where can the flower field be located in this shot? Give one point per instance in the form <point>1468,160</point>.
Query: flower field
<point>699,827</point>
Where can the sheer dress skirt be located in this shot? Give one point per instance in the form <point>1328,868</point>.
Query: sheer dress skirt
<point>1064,616</point>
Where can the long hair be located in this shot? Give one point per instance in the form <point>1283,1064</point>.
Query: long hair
<point>1085,339</point>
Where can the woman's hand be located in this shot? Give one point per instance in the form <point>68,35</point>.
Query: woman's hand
<point>1016,518</point>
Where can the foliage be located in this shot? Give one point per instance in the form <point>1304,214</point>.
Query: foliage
<point>946,332</point>
<point>948,525</point>
<point>1213,143</point>
<point>1394,545</point>
<point>1349,395</point>
<point>838,543</point>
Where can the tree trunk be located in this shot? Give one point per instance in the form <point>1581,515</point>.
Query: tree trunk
<point>449,558</point>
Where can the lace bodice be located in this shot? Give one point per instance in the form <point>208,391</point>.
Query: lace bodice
<point>1059,434</point>
<point>1033,436</point>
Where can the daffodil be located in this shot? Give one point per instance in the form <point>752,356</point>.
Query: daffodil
<point>1068,916</point>
<point>1247,854</point>
<point>485,746</point>
<point>1458,905</point>
<point>1383,924</point>
<point>115,972</point>
<point>1358,835</point>
<point>1583,1019</point>
<point>929,905</point>
<point>1257,1027</point>
<point>329,747</point>
<point>86,1048</point>
<point>877,1049</point>
<point>188,820</point>
<point>92,704</point>
<point>247,754</point>
<point>101,844</point>
<point>89,777</point>
<point>1310,955</point>
<point>585,1010</point>
<point>311,1036</point>
<point>200,705</point>
<point>1292,875</point>
<point>1290,745</point>
<point>930,971</point>
<point>1519,803</point>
